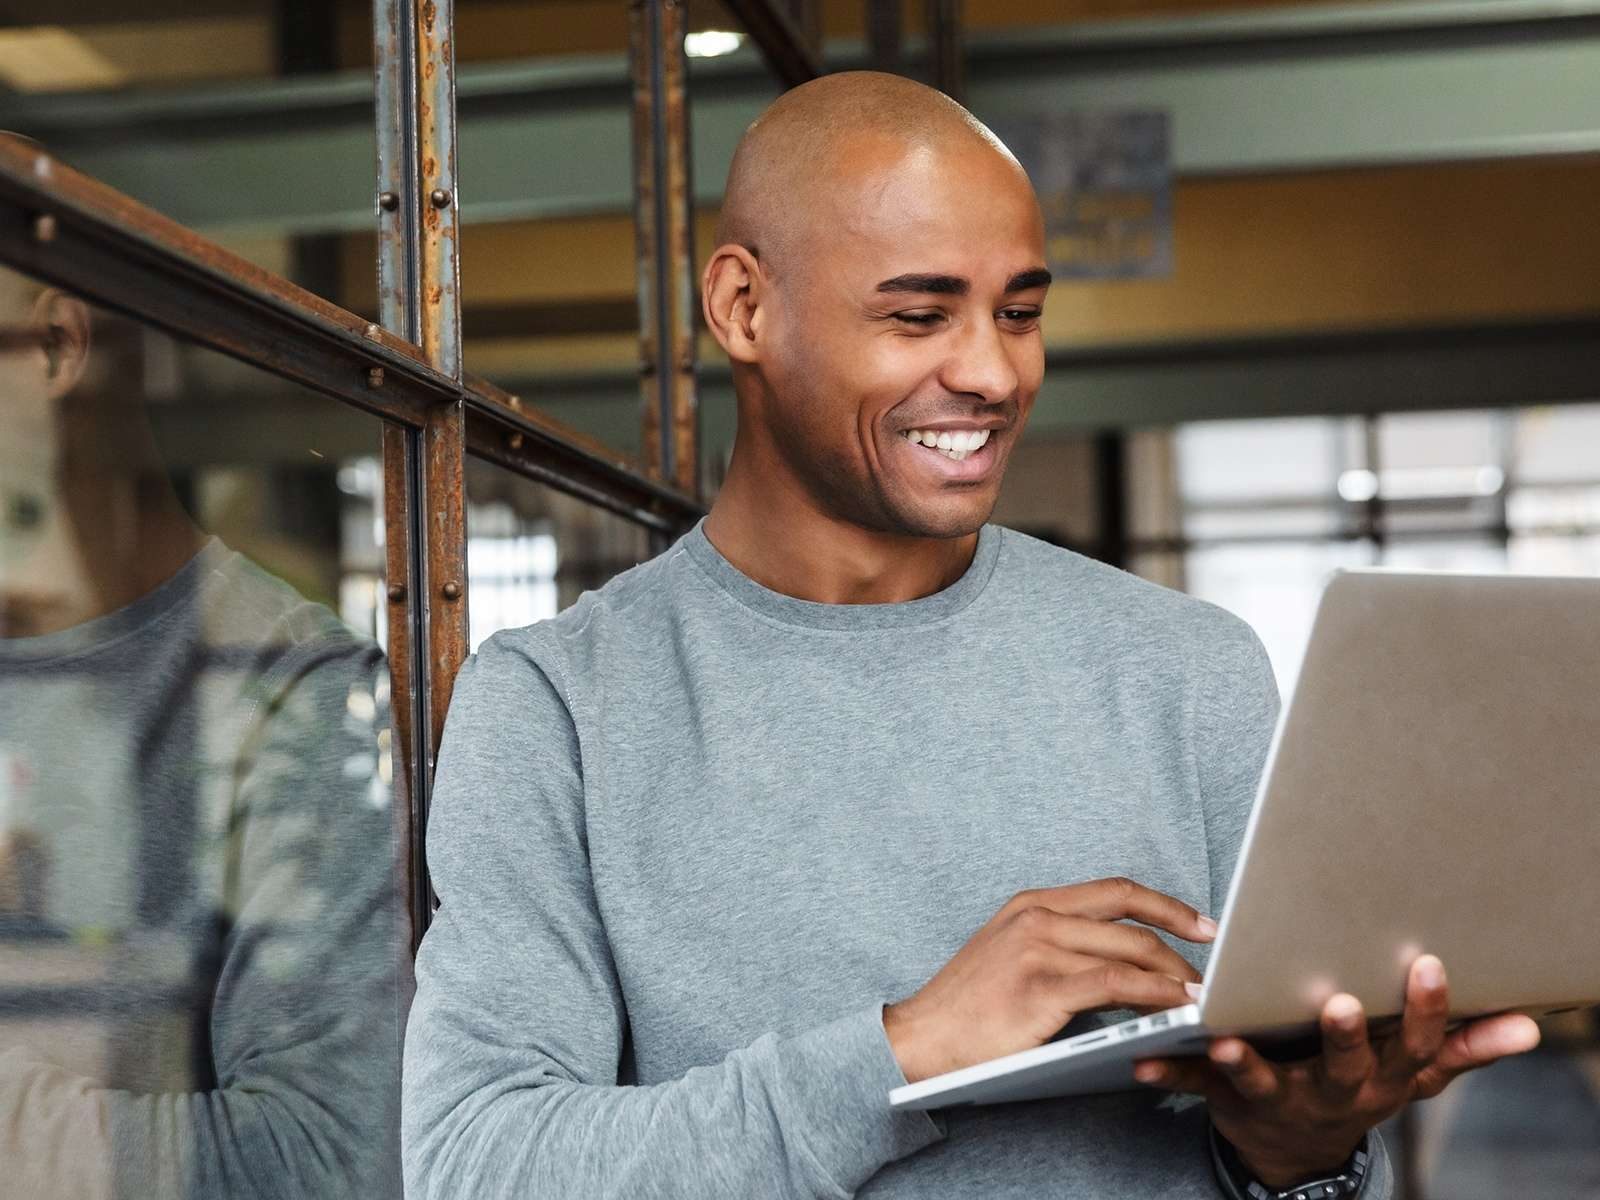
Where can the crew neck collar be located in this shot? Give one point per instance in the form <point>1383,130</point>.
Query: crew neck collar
<point>100,632</point>
<point>791,610</point>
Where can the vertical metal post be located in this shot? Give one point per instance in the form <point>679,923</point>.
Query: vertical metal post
<point>883,35</point>
<point>807,16</point>
<point>945,49</point>
<point>443,589</point>
<point>664,242</point>
<point>419,299</point>
<point>440,197</point>
<point>1111,474</point>
<point>1373,526</point>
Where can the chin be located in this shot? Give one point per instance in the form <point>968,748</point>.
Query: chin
<point>943,520</point>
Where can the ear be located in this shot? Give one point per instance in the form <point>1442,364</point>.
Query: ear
<point>732,293</point>
<point>66,319</point>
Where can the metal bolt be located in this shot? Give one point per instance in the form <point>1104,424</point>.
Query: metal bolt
<point>440,197</point>
<point>515,402</point>
<point>388,201</point>
<point>397,592</point>
<point>44,227</point>
<point>515,441</point>
<point>373,331</point>
<point>374,377</point>
<point>451,590</point>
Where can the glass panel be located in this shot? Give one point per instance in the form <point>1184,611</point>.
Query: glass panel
<point>1552,509</point>
<point>549,303</point>
<point>1230,461</point>
<point>1477,555</point>
<point>1557,445</point>
<point>1309,520</point>
<point>549,282</point>
<point>202,942</point>
<point>1275,587</point>
<point>550,313</point>
<point>532,551</point>
<point>250,121</point>
<point>1555,555</point>
<point>1440,471</point>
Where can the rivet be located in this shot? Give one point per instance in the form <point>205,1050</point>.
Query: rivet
<point>514,401</point>
<point>388,201</point>
<point>440,197</point>
<point>374,377</point>
<point>515,441</point>
<point>397,592</point>
<point>44,227</point>
<point>451,590</point>
<point>373,331</point>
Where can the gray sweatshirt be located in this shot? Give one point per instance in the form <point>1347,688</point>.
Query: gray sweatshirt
<point>201,954</point>
<point>692,834</point>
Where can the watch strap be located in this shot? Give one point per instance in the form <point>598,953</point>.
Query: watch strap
<point>1238,1184</point>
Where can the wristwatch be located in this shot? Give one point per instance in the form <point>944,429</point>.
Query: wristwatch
<point>1238,1184</point>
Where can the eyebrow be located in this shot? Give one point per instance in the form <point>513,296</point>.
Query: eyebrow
<point>956,285</point>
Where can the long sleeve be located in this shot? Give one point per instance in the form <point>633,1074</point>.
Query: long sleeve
<point>516,1033</point>
<point>302,1031</point>
<point>1235,710</point>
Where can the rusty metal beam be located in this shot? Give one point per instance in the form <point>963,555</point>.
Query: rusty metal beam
<point>398,213</point>
<point>664,241</point>
<point>505,430</point>
<point>440,199</point>
<point>407,695</point>
<point>780,38</point>
<point>442,591</point>
<point>72,231</point>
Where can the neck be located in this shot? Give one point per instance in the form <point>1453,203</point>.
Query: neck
<point>771,529</point>
<point>109,572</point>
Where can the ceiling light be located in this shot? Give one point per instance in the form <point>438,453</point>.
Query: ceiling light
<point>709,43</point>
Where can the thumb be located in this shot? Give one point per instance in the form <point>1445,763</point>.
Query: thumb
<point>1477,1044</point>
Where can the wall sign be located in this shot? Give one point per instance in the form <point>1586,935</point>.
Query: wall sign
<point>1104,180</point>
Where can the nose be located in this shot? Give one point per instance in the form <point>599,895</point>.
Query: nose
<point>980,364</point>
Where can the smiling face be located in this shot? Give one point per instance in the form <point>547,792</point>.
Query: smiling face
<point>914,320</point>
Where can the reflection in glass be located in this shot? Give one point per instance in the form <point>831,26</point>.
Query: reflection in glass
<point>200,945</point>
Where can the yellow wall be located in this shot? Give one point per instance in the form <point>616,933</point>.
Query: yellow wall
<point>1358,248</point>
<point>1253,255</point>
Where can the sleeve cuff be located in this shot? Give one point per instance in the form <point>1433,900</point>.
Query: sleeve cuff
<point>837,1079</point>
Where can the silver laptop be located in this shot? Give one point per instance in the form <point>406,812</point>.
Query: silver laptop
<point>1433,786</point>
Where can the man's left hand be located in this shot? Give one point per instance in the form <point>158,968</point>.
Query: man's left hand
<point>1290,1121</point>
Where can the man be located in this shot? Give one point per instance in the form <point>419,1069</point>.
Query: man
<point>200,952</point>
<point>846,789</point>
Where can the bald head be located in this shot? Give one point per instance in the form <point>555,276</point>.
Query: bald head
<point>818,144</point>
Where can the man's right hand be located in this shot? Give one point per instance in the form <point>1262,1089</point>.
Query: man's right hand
<point>1046,956</point>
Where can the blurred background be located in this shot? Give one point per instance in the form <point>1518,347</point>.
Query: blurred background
<point>1328,294</point>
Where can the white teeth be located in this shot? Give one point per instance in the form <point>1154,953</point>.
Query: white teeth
<point>957,445</point>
